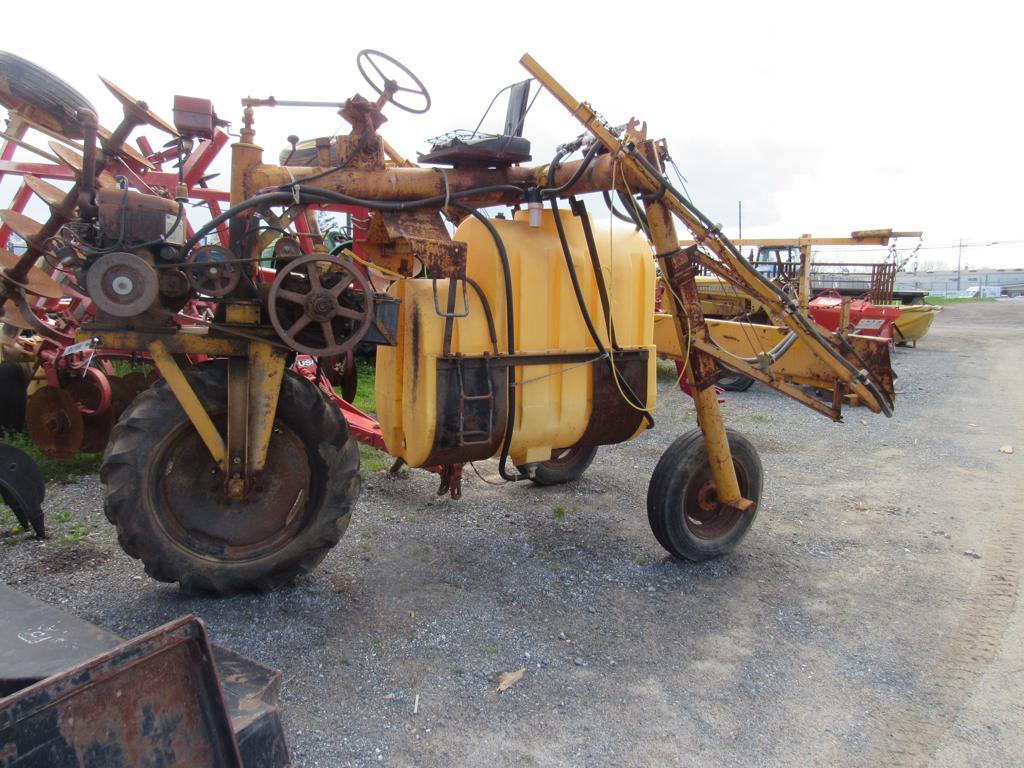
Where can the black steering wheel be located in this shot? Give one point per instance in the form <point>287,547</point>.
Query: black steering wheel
<point>388,85</point>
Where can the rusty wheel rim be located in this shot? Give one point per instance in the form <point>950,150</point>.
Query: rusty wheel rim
<point>187,493</point>
<point>703,514</point>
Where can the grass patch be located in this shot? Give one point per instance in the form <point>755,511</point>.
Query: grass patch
<point>366,398</point>
<point>559,512</point>
<point>54,471</point>
<point>372,460</point>
<point>8,522</point>
<point>75,533</point>
<point>667,372</point>
<point>940,300</point>
<point>124,367</point>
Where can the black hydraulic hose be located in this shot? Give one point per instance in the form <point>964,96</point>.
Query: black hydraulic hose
<point>510,332</point>
<point>578,291</point>
<point>487,311</point>
<point>615,211</point>
<point>266,198</point>
<point>314,195</point>
<point>551,192</point>
<point>638,214</point>
<point>580,211</point>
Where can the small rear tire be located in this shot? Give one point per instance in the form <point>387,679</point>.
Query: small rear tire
<point>564,466</point>
<point>732,381</point>
<point>682,506</point>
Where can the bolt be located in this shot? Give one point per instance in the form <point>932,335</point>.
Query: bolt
<point>236,487</point>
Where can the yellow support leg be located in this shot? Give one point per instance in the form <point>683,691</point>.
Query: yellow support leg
<point>266,372</point>
<point>189,402</point>
<point>709,416</point>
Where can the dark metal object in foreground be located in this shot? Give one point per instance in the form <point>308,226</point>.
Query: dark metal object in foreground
<point>79,696</point>
<point>22,488</point>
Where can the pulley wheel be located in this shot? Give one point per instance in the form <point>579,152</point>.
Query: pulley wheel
<point>122,285</point>
<point>54,423</point>
<point>213,271</point>
<point>320,305</point>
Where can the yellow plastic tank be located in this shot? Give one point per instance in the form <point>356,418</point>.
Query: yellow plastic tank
<point>418,388</point>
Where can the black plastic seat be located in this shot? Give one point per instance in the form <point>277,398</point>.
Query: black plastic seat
<point>484,150</point>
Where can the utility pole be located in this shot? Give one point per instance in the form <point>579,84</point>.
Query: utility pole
<point>959,257</point>
<point>741,221</point>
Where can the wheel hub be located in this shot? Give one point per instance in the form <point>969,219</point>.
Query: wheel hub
<point>321,306</point>
<point>206,517</point>
<point>707,496</point>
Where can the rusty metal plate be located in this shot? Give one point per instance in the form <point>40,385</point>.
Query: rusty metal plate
<point>155,700</point>
<point>400,238</point>
<point>612,419</point>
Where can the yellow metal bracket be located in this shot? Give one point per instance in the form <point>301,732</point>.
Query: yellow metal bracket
<point>189,402</point>
<point>266,372</point>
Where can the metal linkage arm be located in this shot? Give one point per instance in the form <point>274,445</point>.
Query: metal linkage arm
<point>729,263</point>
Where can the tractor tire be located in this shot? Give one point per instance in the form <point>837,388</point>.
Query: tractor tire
<point>564,466</point>
<point>23,83</point>
<point>13,397</point>
<point>166,495</point>
<point>682,508</point>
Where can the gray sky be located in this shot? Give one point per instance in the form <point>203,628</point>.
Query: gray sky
<point>823,118</point>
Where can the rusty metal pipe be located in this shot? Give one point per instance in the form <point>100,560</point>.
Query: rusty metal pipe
<point>407,184</point>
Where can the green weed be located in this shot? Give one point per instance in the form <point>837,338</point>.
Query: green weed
<point>559,512</point>
<point>8,522</point>
<point>372,460</point>
<point>75,533</point>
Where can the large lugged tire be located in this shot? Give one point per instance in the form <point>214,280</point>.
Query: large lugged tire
<point>165,494</point>
<point>682,506</point>
<point>23,83</point>
<point>564,466</point>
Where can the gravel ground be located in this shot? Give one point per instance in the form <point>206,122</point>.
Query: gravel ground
<point>870,616</point>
